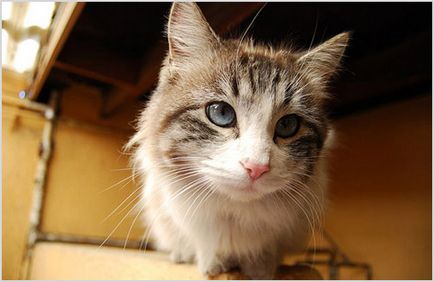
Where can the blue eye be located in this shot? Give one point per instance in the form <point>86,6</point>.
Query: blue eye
<point>287,126</point>
<point>221,114</point>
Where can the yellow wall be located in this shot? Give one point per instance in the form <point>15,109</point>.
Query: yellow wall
<point>86,162</point>
<point>380,190</point>
<point>12,83</point>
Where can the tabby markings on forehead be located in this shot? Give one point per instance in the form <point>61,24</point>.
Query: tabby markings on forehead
<point>235,88</point>
<point>264,75</point>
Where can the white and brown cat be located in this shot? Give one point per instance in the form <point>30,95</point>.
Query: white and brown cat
<point>231,146</point>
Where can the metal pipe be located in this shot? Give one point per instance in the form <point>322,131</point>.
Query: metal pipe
<point>26,104</point>
<point>40,177</point>
<point>76,239</point>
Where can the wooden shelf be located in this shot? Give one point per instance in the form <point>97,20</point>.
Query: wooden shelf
<point>95,75</point>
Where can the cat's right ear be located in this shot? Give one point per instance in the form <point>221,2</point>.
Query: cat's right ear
<point>188,32</point>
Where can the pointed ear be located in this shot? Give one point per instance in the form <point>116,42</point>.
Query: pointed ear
<point>188,31</point>
<point>323,61</point>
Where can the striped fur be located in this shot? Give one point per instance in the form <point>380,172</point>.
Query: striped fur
<point>195,197</point>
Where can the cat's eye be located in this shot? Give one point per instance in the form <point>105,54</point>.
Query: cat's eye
<point>221,114</point>
<point>287,126</point>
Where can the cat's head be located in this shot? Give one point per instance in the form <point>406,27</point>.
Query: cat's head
<point>245,119</point>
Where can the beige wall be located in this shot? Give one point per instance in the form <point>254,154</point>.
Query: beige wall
<point>12,83</point>
<point>380,181</point>
<point>380,192</point>
<point>86,162</point>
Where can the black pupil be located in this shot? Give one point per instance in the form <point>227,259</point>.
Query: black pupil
<point>287,123</point>
<point>224,110</point>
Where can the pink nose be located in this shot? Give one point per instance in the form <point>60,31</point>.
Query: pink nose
<point>255,170</point>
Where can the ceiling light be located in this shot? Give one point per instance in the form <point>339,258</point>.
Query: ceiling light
<point>6,10</point>
<point>25,55</point>
<point>39,14</point>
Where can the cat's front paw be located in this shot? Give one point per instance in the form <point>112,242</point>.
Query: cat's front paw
<point>181,256</point>
<point>214,267</point>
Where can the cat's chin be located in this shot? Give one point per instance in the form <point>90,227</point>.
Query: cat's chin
<point>242,194</point>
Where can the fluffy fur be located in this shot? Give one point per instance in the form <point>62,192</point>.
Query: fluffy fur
<point>199,202</point>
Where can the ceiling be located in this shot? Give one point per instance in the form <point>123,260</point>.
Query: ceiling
<point>119,46</point>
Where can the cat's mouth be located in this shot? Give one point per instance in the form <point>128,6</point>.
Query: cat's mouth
<point>249,189</point>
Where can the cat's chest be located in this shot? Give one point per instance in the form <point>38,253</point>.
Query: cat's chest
<point>249,218</point>
<point>244,232</point>
<point>221,215</point>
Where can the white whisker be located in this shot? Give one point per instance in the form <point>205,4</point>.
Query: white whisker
<point>118,207</point>
<point>117,183</point>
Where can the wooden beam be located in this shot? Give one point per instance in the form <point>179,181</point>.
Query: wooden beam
<point>85,72</point>
<point>65,18</point>
<point>98,61</point>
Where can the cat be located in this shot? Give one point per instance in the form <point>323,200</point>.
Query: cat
<point>231,147</point>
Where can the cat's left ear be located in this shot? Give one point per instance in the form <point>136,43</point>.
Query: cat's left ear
<point>188,32</point>
<point>323,61</point>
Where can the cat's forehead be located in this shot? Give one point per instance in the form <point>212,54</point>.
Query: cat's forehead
<point>251,78</point>
<point>256,77</point>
